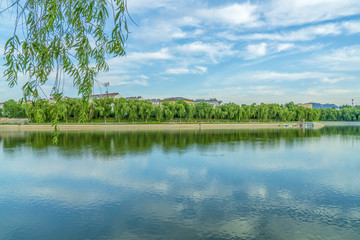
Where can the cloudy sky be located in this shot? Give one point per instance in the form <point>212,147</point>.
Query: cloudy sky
<point>271,51</point>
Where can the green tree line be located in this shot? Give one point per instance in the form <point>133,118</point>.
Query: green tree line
<point>123,110</point>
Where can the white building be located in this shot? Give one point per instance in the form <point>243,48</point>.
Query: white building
<point>135,98</point>
<point>155,102</point>
<point>213,101</point>
<point>111,95</point>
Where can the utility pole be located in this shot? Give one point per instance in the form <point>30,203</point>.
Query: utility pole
<point>352,104</point>
<point>107,90</point>
<point>107,96</point>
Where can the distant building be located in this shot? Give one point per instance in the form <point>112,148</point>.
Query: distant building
<point>50,100</point>
<point>319,106</point>
<point>325,106</point>
<point>135,98</point>
<point>305,105</point>
<point>155,102</point>
<point>112,95</point>
<point>1,105</point>
<point>175,99</point>
<point>213,101</point>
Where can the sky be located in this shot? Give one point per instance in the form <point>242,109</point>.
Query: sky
<point>265,51</point>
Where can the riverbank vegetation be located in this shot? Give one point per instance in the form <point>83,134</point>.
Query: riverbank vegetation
<point>74,110</point>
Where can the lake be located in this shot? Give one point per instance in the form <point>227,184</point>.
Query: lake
<point>214,184</point>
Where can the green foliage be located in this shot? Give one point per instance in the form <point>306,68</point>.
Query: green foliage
<point>103,106</point>
<point>68,37</point>
<point>121,109</point>
<point>13,109</point>
<point>158,113</point>
<point>79,110</point>
<point>168,110</point>
<point>180,109</point>
<point>145,110</point>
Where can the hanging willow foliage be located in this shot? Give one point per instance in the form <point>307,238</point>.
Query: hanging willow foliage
<point>69,38</point>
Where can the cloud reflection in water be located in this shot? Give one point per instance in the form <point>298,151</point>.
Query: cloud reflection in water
<point>254,184</point>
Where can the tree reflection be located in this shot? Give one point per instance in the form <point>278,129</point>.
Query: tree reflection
<point>110,143</point>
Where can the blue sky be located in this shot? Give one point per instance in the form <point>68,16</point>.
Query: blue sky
<point>271,51</point>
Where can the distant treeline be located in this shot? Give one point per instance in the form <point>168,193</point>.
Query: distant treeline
<point>101,109</point>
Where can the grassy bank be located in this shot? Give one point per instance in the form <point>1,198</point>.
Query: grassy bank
<point>149,126</point>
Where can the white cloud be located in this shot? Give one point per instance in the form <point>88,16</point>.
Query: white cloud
<point>297,12</point>
<point>140,57</point>
<point>332,93</point>
<point>338,91</point>
<point>352,27</point>
<point>188,21</point>
<point>196,70</point>
<point>236,14</point>
<point>331,80</point>
<point>272,13</point>
<point>256,50</point>
<point>271,49</point>
<point>177,71</point>
<point>265,90</point>
<point>214,51</point>
<point>141,5</point>
<point>162,31</point>
<point>162,54</point>
<point>283,76</point>
<point>343,59</point>
<point>302,34</point>
<point>201,69</point>
<point>284,46</point>
<point>140,80</point>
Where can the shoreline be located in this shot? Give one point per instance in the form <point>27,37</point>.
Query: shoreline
<point>146,127</point>
<point>341,124</point>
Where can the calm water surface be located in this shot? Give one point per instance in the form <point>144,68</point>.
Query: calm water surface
<point>236,184</point>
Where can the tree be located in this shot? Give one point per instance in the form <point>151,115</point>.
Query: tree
<point>180,109</point>
<point>217,112</point>
<point>247,111</point>
<point>158,113</point>
<point>209,111</point>
<point>121,108</point>
<point>133,109</point>
<point>13,109</point>
<point>76,108</point>
<point>103,105</point>
<point>189,109</point>
<point>68,105</point>
<point>67,37</point>
<point>169,110</point>
<point>146,108</point>
<point>200,110</point>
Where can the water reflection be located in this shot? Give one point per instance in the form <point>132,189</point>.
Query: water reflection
<point>242,184</point>
<point>118,142</point>
<point>109,143</point>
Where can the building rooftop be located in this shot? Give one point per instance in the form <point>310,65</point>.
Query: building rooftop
<point>176,99</point>
<point>104,95</point>
<point>153,99</point>
<point>136,98</point>
<point>209,100</point>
